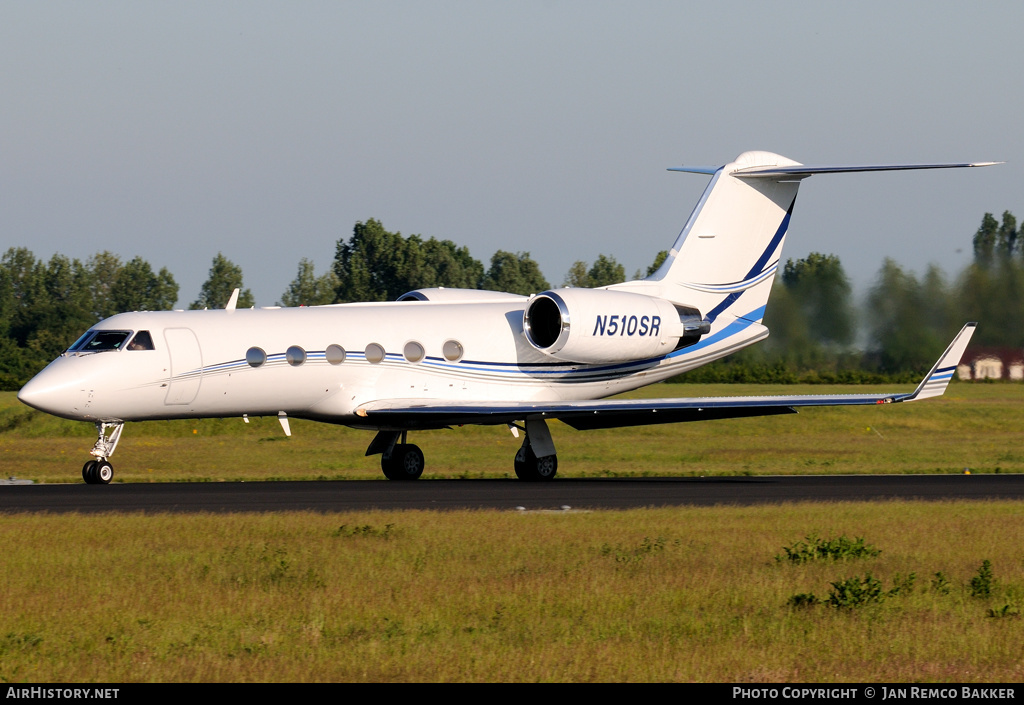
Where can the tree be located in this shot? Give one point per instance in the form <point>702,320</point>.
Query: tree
<point>18,284</point>
<point>985,241</point>
<point>45,306</point>
<point>369,263</point>
<point>515,273</point>
<point>577,276</point>
<point>904,338</point>
<point>605,271</point>
<point>137,288</point>
<point>443,263</point>
<point>307,289</point>
<point>377,265</point>
<point>225,276</point>
<point>821,290</point>
<point>994,297</point>
<point>1006,239</point>
<point>659,259</point>
<point>991,290</point>
<point>103,268</point>
<point>790,338</point>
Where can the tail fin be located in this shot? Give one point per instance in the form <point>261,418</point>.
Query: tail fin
<point>724,261</point>
<point>727,254</point>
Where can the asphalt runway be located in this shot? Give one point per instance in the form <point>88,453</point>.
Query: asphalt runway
<point>509,495</point>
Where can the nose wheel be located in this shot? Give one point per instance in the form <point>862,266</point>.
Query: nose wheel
<point>97,472</point>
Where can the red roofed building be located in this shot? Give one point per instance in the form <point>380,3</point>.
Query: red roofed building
<point>991,363</point>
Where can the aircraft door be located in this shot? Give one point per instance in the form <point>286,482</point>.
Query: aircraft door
<point>186,366</point>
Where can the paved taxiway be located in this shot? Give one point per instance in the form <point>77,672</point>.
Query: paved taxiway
<point>500,494</point>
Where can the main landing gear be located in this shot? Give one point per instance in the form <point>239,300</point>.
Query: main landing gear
<point>99,471</point>
<point>403,462</point>
<point>535,462</point>
<point>399,461</point>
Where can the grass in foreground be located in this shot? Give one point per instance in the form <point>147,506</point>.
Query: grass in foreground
<point>668,594</point>
<point>976,426</point>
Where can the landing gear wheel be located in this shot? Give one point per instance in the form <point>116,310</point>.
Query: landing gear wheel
<point>404,462</point>
<point>533,469</point>
<point>104,472</point>
<point>97,472</point>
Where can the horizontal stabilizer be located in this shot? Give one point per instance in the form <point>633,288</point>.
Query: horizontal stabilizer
<point>804,170</point>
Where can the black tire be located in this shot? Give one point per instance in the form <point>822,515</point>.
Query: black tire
<point>404,462</point>
<point>103,472</point>
<point>533,469</point>
<point>89,472</point>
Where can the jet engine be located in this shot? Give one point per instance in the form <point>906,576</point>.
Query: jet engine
<point>602,326</point>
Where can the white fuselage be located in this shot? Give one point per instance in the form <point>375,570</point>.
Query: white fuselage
<point>198,365</point>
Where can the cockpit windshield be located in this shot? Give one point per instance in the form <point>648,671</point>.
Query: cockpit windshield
<point>81,340</point>
<point>101,341</point>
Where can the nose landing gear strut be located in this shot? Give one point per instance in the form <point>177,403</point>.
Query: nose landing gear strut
<point>100,471</point>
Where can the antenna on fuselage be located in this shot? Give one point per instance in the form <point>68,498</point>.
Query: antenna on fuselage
<point>233,301</point>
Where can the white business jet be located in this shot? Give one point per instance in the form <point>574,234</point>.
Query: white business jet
<point>443,357</point>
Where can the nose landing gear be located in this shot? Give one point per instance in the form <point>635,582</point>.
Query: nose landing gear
<point>100,471</point>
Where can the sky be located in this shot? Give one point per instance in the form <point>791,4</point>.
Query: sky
<point>266,130</point>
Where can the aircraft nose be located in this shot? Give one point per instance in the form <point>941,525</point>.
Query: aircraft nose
<point>54,391</point>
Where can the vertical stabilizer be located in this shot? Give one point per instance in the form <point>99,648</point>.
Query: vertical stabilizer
<point>724,260</point>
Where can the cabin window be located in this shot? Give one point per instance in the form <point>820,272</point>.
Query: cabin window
<point>255,356</point>
<point>295,355</point>
<point>335,354</point>
<point>142,341</point>
<point>374,353</point>
<point>105,340</point>
<point>452,350</point>
<point>414,351</point>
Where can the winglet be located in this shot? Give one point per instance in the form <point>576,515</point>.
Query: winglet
<point>935,382</point>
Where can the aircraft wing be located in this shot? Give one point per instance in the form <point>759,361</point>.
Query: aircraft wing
<point>613,413</point>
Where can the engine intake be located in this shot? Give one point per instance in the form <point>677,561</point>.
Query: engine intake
<point>601,326</point>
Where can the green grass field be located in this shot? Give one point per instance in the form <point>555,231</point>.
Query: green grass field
<point>679,594</point>
<point>682,594</point>
<point>980,427</point>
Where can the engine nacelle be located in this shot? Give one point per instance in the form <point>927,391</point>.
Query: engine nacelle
<point>600,326</point>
